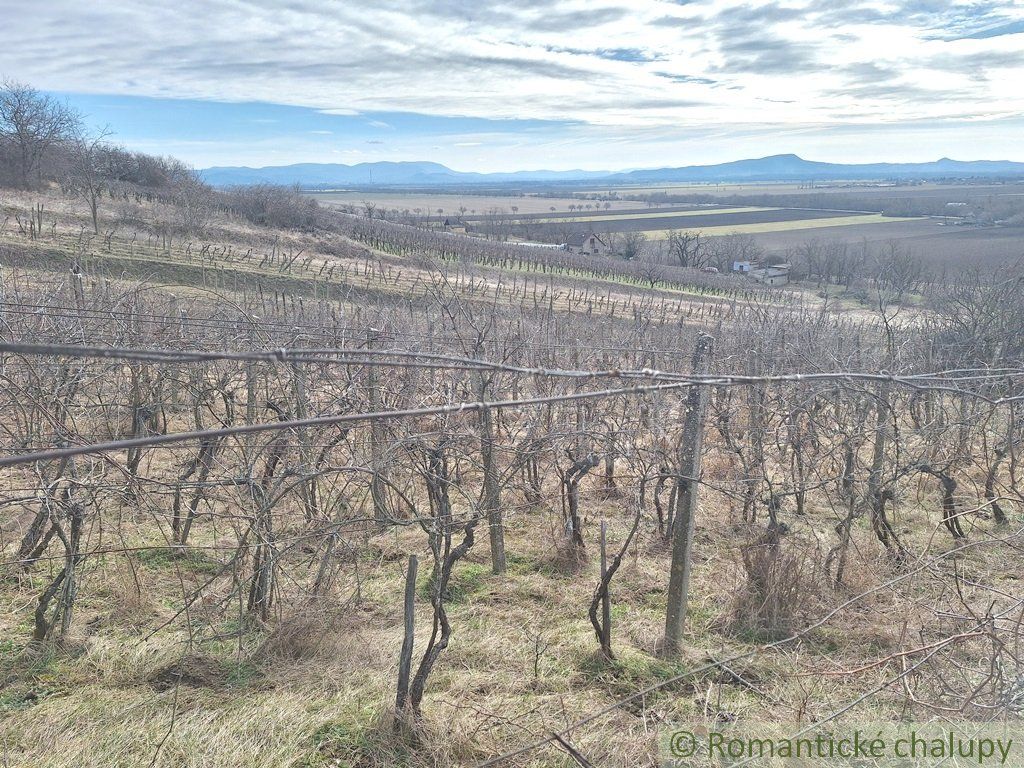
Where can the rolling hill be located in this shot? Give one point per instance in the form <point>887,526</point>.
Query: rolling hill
<point>786,167</point>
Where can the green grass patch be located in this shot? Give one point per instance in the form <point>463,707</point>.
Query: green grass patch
<point>174,557</point>
<point>8,651</point>
<point>828,640</point>
<point>516,563</point>
<point>31,674</point>
<point>465,582</point>
<point>629,671</point>
<point>362,740</point>
<point>241,674</point>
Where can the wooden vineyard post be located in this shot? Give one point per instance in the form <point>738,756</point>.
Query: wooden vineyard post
<point>492,490</point>
<point>405,659</point>
<point>376,440</point>
<point>308,488</point>
<point>686,499</point>
<point>606,601</point>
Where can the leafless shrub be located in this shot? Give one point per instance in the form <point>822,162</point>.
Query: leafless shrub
<point>780,589</point>
<point>306,634</point>
<point>272,206</point>
<point>192,200</point>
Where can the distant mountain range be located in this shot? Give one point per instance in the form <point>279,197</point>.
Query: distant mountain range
<point>773,168</point>
<point>795,168</point>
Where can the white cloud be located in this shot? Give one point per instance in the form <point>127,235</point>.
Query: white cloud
<point>622,65</point>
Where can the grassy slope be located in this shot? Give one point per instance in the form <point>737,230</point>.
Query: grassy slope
<point>239,249</point>
<point>314,688</point>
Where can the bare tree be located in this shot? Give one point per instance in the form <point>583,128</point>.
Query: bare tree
<point>31,124</point>
<point>632,245</point>
<point>193,200</point>
<point>86,178</point>
<point>651,272</point>
<point>687,249</point>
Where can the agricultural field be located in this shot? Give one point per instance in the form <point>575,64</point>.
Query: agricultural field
<point>918,188</point>
<point>707,219</point>
<point>840,213</point>
<point>724,221</point>
<point>429,204</point>
<point>784,189</point>
<point>937,244</point>
<point>683,188</point>
<point>984,203</point>
<point>942,241</point>
<point>791,225</point>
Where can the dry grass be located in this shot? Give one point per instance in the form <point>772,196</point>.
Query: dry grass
<point>314,688</point>
<point>782,589</point>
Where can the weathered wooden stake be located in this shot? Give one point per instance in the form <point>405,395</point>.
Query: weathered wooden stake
<point>492,489</point>
<point>380,512</point>
<point>686,499</point>
<point>308,488</point>
<point>606,601</point>
<point>405,658</point>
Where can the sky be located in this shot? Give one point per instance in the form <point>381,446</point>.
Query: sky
<point>505,85</point>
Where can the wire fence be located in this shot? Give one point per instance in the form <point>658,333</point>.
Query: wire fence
<point>833,456</point>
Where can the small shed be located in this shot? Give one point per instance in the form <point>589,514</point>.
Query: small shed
<point>775,274</point>
<point>455,224</point>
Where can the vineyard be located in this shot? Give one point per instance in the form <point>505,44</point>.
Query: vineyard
<point>373,495</point>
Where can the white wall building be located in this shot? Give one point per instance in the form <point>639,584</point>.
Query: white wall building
<point>776,274</point>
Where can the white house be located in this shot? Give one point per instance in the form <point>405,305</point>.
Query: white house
<point>742,266</point>
<point>587,244</point>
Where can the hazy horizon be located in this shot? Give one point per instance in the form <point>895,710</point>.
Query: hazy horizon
<point>610,171</point>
